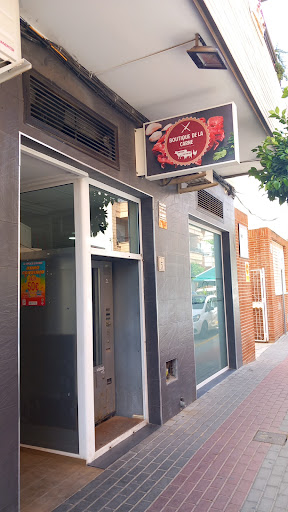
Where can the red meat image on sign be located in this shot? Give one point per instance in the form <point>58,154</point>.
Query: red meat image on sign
<point>187,141</point>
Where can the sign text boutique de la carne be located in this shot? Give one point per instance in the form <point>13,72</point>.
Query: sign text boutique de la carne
<point>189,143</point>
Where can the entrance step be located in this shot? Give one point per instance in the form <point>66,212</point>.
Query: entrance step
<point>104,461</point>
<point>112,428</point>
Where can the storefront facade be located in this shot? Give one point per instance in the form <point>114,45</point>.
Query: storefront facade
<point>98,300</point>
<point>144,357</point>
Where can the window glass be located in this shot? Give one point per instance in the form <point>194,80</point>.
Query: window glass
<point>114,222</point>
<point>279,268</point>
<point>49,403</point>
<point>207,302</point>
<point>47,219</point>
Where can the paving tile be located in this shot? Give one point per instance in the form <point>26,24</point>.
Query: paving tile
<point>282,501</point>
<point>237,498</point>
<point>65,507</point>
<point>135,497</point>
<point>270,492</point>
<point>159,504</point>
<point>202,506</point>
<point>220,502</point>
<point>211,493</point>
<point>125,508</point>
<point>265,505</point>
<point>170,491</point>
<point>80,507</point>
<point>212,437</point>
<point>153,494</point>
<point>249,506</point>
<point>194,497</point>
<point>142,506</point>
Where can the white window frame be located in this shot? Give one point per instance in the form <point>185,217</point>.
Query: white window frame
<point>278,268</point>
<point>118,254</point>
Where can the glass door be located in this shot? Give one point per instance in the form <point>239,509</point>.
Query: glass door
<point>207,302</point>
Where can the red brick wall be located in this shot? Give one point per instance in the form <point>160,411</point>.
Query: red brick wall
<point>245,297</point>
<point>261,257</point>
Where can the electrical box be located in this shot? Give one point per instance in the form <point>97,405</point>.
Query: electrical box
<point>11,62</point>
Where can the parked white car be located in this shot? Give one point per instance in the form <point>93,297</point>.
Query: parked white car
<point>205,314</point>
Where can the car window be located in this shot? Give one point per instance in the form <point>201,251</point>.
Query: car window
<point>198,301</point>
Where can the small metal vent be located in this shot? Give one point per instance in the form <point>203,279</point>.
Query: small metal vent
<point>53,110</point>
<point>210,203</point>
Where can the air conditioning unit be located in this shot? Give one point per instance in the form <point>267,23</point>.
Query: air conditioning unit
<point>11,62</point>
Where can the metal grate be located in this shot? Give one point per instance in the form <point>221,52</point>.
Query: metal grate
<point>210,203</point>
<point>260,315</point>
<point>55,111</point>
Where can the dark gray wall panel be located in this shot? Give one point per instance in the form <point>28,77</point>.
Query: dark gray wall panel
<point>151,317</point>
<point>9,183</point>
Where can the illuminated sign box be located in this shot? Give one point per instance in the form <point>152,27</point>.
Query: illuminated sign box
<point>191,142</point>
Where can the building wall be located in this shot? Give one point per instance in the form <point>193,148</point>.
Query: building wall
<point>245,296</point>
<point>169,326</point>
<point>261,257</point>
<point>174,309</point>
<point>9,182</point>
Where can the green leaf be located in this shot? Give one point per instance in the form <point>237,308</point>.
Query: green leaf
<point>285,92</point>
<point>219,154</point>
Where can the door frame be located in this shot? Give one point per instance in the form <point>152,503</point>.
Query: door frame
<point>87,251</point>
<point>83,254</point>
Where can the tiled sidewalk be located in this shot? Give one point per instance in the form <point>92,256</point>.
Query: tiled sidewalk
<point>205,458</point>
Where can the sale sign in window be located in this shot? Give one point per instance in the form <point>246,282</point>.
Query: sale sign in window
<point>32,283</point>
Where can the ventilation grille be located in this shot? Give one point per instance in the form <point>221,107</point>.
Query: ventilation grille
<point>55,111</point>
<point>210,203</point>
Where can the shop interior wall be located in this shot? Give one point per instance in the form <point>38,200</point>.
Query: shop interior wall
<point>9,186</point>
<point>48,384</point>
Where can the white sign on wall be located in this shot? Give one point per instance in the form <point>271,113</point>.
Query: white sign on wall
<point>10,41</point>
<point>243,242</point>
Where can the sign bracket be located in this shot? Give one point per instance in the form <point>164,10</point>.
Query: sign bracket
<point>192,183</point>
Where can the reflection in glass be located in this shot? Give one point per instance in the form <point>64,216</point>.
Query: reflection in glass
<point>114,222</point>
<point>47,219</point>
<point>207,302</point>
<point>49,403</point>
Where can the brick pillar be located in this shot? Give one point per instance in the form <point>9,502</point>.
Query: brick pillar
<point>261,256</point>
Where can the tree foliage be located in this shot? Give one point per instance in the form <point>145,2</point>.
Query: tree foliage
<point>280,67</point>
<point>99,202</point>
<point>273,156</point>
<point>196,269</point>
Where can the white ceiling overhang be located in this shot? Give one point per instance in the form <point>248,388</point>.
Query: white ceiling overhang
<point>114,41</point>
